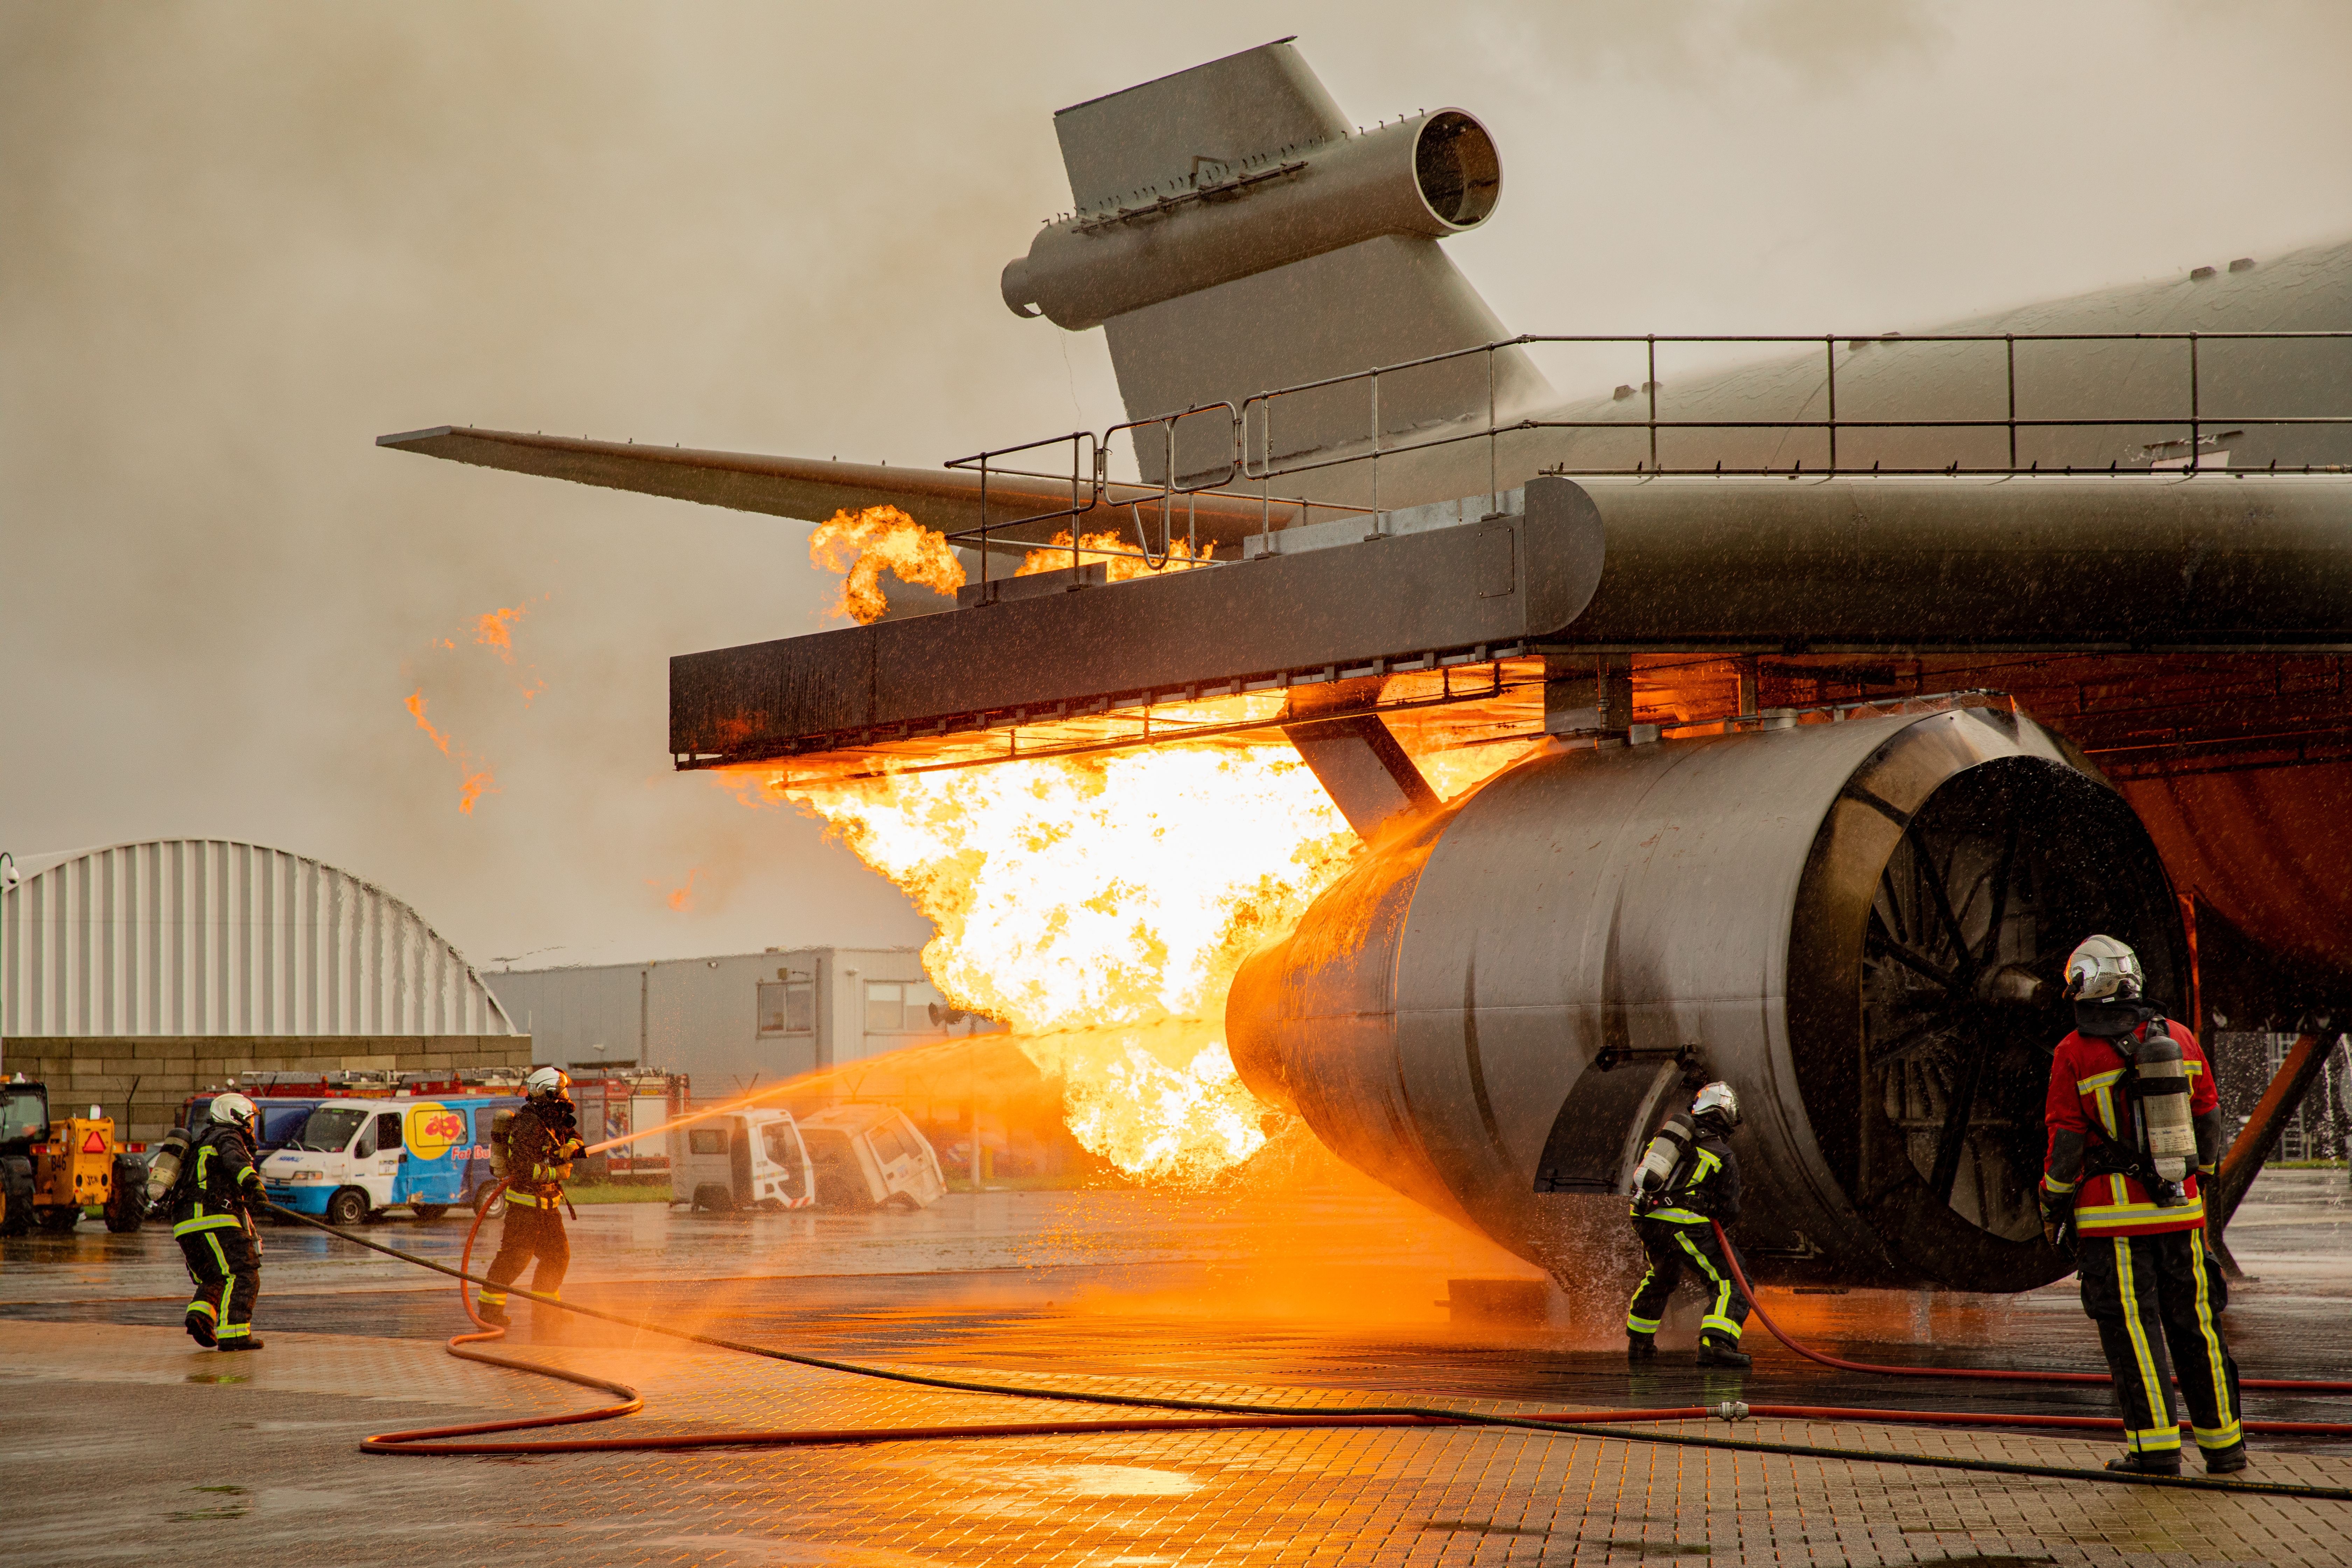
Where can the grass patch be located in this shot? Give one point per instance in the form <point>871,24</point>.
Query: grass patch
<point>619,1193</point>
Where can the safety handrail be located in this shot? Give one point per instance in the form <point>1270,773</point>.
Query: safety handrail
<point>1253,460</point>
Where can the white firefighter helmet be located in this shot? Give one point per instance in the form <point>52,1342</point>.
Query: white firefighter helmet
<point>2104,970</point>
<point>543,1082</point>
<point>1719,1098</point>
<point>233,1108</point>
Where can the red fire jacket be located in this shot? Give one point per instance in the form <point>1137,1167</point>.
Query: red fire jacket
<point>2086,1096</point>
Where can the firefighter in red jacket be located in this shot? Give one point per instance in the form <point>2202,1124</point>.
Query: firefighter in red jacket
<point>2133,1124</point>
<point>539,1145</point>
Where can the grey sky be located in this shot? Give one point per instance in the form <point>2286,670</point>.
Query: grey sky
<point>239,241</point>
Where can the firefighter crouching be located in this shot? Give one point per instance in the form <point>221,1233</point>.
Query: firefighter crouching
<point>1689,1178</point>
<point>2133,1122</point>
<point>533,1148</point>
<point>209,1201</point>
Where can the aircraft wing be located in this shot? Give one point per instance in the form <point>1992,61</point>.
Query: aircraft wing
<point>813,488</point>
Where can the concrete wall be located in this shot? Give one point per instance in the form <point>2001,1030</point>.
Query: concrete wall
<point>701,1015</point>
<point>85,1070</point>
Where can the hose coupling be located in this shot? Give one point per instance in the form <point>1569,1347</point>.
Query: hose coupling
<point>1732,1410</point>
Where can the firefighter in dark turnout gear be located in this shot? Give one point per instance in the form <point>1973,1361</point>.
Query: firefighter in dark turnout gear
<point>210,1209</point>
<point>1688,1180</point>
<point>2135,1122</point>
<point>541,1141</point>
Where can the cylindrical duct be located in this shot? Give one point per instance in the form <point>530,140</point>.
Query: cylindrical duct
<point>1434,175</point>
<point>1843,919</point>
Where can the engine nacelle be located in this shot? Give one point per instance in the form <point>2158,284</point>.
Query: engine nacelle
<point>1845,921</point>
<point>1434,175</point>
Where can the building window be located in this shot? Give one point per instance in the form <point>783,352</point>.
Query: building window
<point>788,1007</point>
<point>886,1007</point>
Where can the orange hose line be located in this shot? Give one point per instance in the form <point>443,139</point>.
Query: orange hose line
<point>440,1439</point>
<point>1210,1414</point>
<point>1986,1374</point>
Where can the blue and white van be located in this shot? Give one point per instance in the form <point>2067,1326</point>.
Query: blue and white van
<point>354,1157</point>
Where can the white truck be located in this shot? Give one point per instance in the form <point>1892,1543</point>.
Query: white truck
<point>843,1157</point>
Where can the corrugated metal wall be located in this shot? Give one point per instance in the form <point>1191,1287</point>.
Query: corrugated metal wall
<point>208,937</point>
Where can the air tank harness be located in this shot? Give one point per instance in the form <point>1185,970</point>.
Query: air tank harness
<point>1200,1414</point>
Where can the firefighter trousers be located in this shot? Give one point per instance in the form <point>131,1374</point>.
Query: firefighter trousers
<point>226,1269</point>
<point>1672,1247</point>
<point>530,1232</point>
<point>2149,1294</point>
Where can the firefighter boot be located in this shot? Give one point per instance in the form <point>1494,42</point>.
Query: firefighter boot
<point>1641,1347</point>
<point>1715,1351</point>
<point>199,1328</point>
<point>242,1342</point>
<point>492,1312</point>
<point>2167,1463</point>
<point>2226,1461</point>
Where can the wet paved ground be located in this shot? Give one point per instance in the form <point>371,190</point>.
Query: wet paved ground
<point>124,1443</point>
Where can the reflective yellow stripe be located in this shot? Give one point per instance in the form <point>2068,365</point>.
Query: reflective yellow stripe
<point>1640,1325</point>
<point>228,1290</point>
<point>2050,1184</point>
<point>525,1199</point>
<point>2153,1389</point>
<point>2228,1432</point>
<point>1719,1319</point>
<point>2106,1110</point>
<point>493,1297</point>
<point>206,1308</point>
<point>1675,1216</point>
<point>2122,1214</point>
<point>212,1222</point>
<point>2098,1081</point>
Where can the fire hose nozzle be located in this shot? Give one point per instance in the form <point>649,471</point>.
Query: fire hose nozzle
<point>1732,1410</point>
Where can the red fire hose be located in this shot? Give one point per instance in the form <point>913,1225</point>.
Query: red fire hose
<point>1209,1415</point>
<point>2003,1375</point>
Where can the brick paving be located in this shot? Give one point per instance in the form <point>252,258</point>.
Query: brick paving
<point>122,1444</point>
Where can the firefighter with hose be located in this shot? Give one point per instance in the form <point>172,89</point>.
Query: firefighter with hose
<point>2133,1122</point>
<point>1687,1181</point>
<point>210,1197</point>
<point>532,1150</point>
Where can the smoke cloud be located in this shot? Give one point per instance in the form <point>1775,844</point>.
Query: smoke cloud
<point>239,241</point>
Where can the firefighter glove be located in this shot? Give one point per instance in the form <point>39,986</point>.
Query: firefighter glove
<point>2058,1222</point>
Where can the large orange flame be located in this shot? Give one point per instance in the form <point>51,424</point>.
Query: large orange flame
<point>878,539</point>
<point>1100,905</point>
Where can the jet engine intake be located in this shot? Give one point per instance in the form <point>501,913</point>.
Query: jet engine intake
<point>1434,175</point>
<point>1846,920</point>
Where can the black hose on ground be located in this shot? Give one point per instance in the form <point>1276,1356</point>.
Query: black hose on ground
<point>415,1442</point>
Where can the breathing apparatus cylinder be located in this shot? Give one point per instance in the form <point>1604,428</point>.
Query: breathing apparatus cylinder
<point>501,1124</point>
<point>1653,1178</point>
<point>163,1165</point>
<point>2168,1131</point>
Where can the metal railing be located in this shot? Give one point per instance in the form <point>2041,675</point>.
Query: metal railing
<point>1249,455</point>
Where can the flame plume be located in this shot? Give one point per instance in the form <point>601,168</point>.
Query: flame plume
<point>881,538</point>
<point>1117,567</point>
<point>1100,906</point>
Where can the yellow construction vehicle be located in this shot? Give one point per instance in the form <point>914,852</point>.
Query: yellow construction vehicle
<point>51,1171</point>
